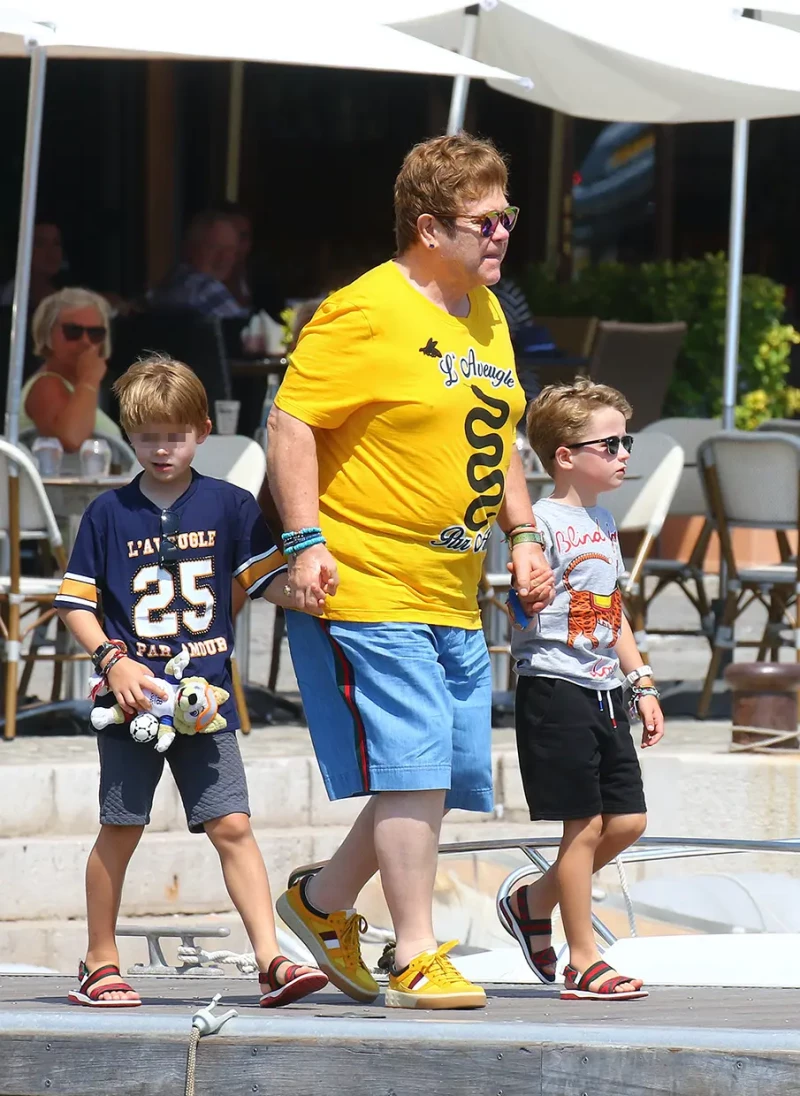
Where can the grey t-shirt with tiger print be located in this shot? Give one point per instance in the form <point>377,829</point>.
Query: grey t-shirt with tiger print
<point>574,638</point>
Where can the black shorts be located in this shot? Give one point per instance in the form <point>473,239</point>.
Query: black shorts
<point>574,762</point>
<point>207,768</point>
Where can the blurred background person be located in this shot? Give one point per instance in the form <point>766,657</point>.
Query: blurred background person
<point>71,335</point>
<point>47,262</point>
<point>199,282</point>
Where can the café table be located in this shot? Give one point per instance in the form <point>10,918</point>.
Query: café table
<point>69,496</point>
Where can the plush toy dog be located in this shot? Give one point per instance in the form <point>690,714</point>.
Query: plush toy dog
<point>189,708</point>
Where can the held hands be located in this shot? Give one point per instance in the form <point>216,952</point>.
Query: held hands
<point>532,577</point>
<point>313,576</point>
<point>652,719</point>
<point>128,681</point>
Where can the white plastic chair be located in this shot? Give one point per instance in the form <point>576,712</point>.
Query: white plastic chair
<point>640,505</point>
<point>35,520</point>
<point>689,501</point>
<point>752,481</point>
<point>240,461</point>
<point>234,458</point>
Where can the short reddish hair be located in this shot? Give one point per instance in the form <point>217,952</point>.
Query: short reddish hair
<point>439,176</point>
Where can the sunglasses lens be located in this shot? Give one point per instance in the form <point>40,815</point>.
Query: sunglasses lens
<point>170,527</point>
<point>509,217</point>
<point>72,331</point>
<point>96,334</point>
<point>627,442</point>
<point>489,225</point>
<point>612,445</point>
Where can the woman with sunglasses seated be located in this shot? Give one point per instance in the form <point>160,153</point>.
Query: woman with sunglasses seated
<point>71,333</point>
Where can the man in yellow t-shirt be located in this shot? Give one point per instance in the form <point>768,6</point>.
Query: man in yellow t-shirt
<point>391,456</point>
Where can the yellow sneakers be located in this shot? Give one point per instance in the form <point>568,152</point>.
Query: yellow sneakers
<point>333,941</point>
<point>431,981</point>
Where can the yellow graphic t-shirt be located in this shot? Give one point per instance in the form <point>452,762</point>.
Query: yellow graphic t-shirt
<point>415,415</point>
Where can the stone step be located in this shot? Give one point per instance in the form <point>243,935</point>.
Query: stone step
<point>52,797</point>
<point>173,873</point>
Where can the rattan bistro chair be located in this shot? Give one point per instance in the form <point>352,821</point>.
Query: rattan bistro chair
<point>24,596</point>
<point>753,481</point>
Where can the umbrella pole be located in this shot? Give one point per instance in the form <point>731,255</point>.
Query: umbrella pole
<point>458,97</point>
<point>235,106</point>
<point>741,132</point>
<point>19,323</point>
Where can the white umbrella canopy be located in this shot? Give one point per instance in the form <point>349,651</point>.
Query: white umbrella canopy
<point>305,32</point>
<point>625,60</point>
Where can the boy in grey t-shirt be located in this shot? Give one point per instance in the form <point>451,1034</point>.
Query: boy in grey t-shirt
<point>577,758</point>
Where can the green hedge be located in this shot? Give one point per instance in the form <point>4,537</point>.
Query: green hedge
<point>693,291</point>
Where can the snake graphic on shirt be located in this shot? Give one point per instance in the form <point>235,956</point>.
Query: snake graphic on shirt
<point>491,486</point>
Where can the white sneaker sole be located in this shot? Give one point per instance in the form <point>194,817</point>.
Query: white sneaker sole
<point>398,998</point>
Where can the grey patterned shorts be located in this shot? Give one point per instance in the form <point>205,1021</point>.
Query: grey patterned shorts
<point>207,768</point>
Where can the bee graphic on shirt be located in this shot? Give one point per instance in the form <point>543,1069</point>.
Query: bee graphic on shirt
<point>430,349</point>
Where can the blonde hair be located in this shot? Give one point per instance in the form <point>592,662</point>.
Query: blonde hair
<point>559,414</point>
<point>439,176</point>
<point>50,308</point>
<point>160,389</point>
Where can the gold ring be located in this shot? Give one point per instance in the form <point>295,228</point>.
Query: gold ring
<point>287,590</point>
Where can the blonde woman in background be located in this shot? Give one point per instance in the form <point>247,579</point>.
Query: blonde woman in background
<point>71,335</point>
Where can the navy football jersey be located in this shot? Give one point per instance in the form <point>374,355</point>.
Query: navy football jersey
<point>216,531</point>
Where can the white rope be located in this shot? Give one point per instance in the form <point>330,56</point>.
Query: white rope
<point>626,894</point>
<point>199,957</point>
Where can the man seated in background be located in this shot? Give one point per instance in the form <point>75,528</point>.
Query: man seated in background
<point>198,282</point>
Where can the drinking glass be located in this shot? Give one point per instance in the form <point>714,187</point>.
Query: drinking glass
<point>47,454</point>
<point>226,415</point>
<point>95,458</point>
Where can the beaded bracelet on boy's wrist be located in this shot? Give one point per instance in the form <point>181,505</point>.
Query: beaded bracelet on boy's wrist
<point>638,691</point>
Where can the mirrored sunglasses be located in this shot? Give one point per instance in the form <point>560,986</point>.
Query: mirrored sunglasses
<point>487,222</point>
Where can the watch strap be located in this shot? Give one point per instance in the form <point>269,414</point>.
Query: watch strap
<point>104,650</point>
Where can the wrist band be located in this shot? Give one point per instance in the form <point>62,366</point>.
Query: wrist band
<point>118,657</point>
<point>525,538</point>
<point>639,673</point>
<point>85,384</point>
<point>524,528</point>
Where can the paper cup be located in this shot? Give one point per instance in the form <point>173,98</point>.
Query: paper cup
<point>226,415</point>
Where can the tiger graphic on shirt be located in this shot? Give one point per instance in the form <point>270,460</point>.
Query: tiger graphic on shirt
<point>587,609</point>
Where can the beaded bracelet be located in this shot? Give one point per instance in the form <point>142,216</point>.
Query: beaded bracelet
<point>300,546</point>
<point>300,532</point>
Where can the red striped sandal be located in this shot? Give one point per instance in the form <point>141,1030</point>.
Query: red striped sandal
<point>576,986</point>
<point>89,993</point>
<point>522,928</point>
<point>296,983</point>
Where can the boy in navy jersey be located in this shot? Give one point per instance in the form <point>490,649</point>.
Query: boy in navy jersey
<point>149,578</point>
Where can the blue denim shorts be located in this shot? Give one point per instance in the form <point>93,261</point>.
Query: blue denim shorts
<point>397,707</point>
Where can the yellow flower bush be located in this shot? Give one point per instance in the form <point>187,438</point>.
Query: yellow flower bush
<point>773,399</point>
